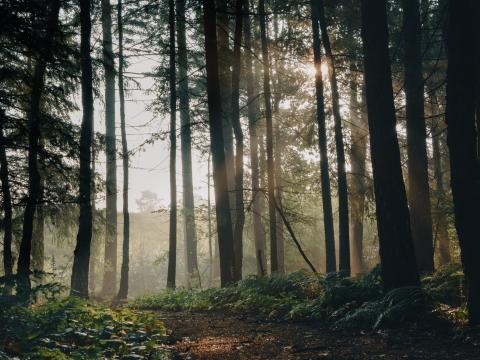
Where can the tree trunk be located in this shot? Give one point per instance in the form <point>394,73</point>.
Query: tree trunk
<point>110,261</point>
<point>209,221</point>
<point>172,238</point>
<point>393,221</point>
<point>186,144</point>
<point>253,118</point>
<point>34,126</point>
<point>237,129</point>
<point>7,203</point>
<point>322,143</point>
<point>343,228</point>
<point>418,188</point>
<point>461,137</point>
<point>222,209</point>
<point>79,282</point>
<point>358,154</point>
<point>269,138</point>
<point>123,290</point>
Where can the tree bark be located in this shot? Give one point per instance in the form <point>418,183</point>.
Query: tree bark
<point>110,260</point>
<point>330,257</point>
<point>186,148</point>
<point>172,238</point>
<point>7,203</point>
<point>462,80</point>
<point>224,221</point>
<point>343,227</point>
<point>123,290</point>
<point>34,126</point>
<point>269,138</point>
<point>79,281</point>
<point>253,118</point>
<point>418,188</point>
<point>393,220</point>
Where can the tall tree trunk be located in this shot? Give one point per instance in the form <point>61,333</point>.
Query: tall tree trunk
<point>343,228</point>
<point>172,238</point>
<point>225,61</point>
<point>393,220</point>
<point>123,290</point>
<point>253,118</point>
<point>110,261</point>
<point>358,154</point>
<point>93,259</point>
<point>38,238</point>
<point>186,144</point>
<point>237,129</point>
<point>79,282</point>
<point>222,209</point>
<point>209,222</point>
<point>7,203</point>
<point>418,189</point>
<point>34,126</point>
<point>462,80</point>
<point>269,138</point>
<point>330,256</point>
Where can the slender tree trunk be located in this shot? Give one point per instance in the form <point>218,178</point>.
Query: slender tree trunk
<point>209,221</point>
<point>93,246</point>
<point>418,189</point>
<point>38,238</point>
<point>123,290</point>
<point>110,261</point>
<point>393,220</point>
<point>462,80</point>
<point>322,143</point>
<point>7,203</point>
<point>172,239</point>
<point>358,154</point>
<point>237,129</point>
<point>253,118</point>
<point>79,282</point>
<point>222,209</point>
<point>34,126</point>
<point>343,229</point>
<point>186,143</point>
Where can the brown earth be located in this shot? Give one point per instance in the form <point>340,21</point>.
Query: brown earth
<point>217,335</point>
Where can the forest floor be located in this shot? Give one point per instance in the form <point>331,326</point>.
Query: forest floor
<point>221,335</point>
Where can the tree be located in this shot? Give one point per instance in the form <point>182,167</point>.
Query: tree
<point>7,203</point>
<point>123,290</point>
<point>34,126</point>
<point>110,260</point>
<point>222,209</point>
<point>79,281</point>
<point>393,222</point>
<point>186,146</point>
<point>172,237</point>
<point>322,143</point>
<point>418,188</point>
<point>462,84</point>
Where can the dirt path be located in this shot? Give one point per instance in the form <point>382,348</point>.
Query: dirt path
<point>226,336</point>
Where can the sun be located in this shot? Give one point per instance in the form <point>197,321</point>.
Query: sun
<point>310,70</point>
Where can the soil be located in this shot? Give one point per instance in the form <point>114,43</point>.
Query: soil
<point>217,335</point>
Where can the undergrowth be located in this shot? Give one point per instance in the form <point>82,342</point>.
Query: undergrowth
<point>339,301</point>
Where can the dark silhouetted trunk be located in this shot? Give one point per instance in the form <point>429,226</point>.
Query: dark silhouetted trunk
<point>34,126</point>
<point>393,219</point>
<point>253,118</point>
<point>222,209</point>
<point>358,154</point>
<point>7,203</point>
<point>343,221</point>
<point>322,142</point>
<point>269,138</point>
<point>209,221</point>
<point>237,129</point>
<point>38,238</point>
<point>462,80</point>
<point>110,260</point>
<point>172,237</point>
<point>79,282</point>
<point>123,290</point>
<point>186,144</point>
<point>418,189</point>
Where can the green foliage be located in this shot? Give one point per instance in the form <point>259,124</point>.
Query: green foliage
<point>337,300</point>
<point>75,329</point>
